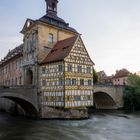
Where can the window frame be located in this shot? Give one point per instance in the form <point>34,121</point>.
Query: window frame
<point>79,69</point>
<point>82,82</point>
<point>50,38</point>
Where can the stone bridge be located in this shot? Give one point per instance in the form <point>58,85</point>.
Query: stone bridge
<point>108,96</point>
<point>26,97</point>
<point>105,97</point>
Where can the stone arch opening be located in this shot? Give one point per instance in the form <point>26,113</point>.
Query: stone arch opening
<point>29,77</point>
<point>29,109</point>
<point>104,101</point>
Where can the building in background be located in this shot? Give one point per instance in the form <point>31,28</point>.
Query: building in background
<point>104,79</point>
<point>10,68</point>
<point>121,76</point>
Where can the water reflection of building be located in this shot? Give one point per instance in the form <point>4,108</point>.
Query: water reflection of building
<point>53,58</point>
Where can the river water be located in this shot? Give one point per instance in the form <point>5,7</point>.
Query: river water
<point>100,126</point>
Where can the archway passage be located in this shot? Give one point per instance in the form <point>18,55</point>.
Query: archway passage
<point>29,77</point>
<point>104,101</point>
<point>29,109</point>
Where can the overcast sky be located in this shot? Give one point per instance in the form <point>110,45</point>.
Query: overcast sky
<point>110,28</point>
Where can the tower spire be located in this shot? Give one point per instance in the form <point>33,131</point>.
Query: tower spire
<point>51,7</point>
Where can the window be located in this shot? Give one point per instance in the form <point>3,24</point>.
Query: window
<point>77,98</point>
<point>88,70</point>
<point>43,83</point>
<point>68,81</point>
<point>79,69</point>
<point>61,82</point>
<point>70,68</point>
<point>60,68</point>
<point>89,82</point>
<point>89,97</point>
<point>82,82</point>
<point>50,38</point>
<point>73,82</point>
<point>43,70</point>
<point>53,5</point>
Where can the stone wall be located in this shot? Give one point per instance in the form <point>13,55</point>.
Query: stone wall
<point>52,113</point>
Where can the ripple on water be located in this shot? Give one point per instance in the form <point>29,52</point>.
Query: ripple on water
<point>98,127</point>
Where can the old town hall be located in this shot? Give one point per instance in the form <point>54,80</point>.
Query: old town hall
<point>53,59</point>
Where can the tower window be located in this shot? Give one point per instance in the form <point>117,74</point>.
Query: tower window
<point>53,6</point>
<point>50,38</point>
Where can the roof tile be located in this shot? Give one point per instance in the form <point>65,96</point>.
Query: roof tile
<point>60,50</point>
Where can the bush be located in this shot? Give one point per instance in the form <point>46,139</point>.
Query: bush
<point>132,93</point>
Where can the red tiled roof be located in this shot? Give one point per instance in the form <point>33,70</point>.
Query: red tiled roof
<point>60,50</point>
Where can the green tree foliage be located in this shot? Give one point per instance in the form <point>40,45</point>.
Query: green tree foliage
<point>132,93</point>
<point>95,76</point>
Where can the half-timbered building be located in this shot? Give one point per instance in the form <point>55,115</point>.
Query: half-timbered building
<point>66,75</point>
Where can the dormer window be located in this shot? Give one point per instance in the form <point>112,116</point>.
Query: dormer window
<point>50,38</point>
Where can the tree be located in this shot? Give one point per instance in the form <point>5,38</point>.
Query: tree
<point>95,76</point>
<point>132,93</point>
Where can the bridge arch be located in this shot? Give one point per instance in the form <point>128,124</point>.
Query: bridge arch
<point>103,100</point>
<point>26,104</point>
<point>113,95</point>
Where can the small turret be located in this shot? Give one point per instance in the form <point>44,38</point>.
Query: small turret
<point>51,7</point>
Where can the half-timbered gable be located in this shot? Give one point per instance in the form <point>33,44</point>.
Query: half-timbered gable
<point>78,76</point>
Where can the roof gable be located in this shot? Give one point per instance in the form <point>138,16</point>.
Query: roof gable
<point>60,50</point>
<point>79,53</point>
<point>27,25</point>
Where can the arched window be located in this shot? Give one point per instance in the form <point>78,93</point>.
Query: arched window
<point>53,6</point>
